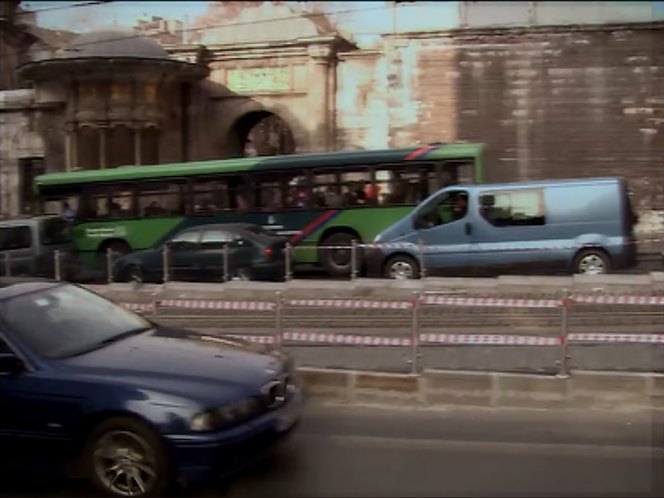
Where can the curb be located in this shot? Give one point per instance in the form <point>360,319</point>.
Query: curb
<point>582,390</point>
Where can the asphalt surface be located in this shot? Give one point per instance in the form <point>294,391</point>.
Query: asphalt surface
<point>354,451</point>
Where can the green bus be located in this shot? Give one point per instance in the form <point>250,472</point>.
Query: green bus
<point>315,199</point>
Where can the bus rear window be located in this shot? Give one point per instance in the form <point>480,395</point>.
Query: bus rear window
<point>55,231</point>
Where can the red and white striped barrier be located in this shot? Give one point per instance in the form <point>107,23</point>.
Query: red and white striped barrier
<point>489,339</point>
<point>198,304</point>
<point>506,247</point>
<point>351,304</point>
<point>487,302</point>
<point>138,306</point>
<point>608,337</point>
<point>632,300</point>
<point>491,302</point>
<point>318,338</point>
<point>356,340</point>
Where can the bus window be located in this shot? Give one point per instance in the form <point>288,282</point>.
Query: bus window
<point>211,196</point>
<point>240,193</point>
<point>454,173</point>
<point>160,199</point>
<point>354,187</point>
<point>298,193</point>
<point>107,202</point>
<point>399,185</point>
<point>56,205</point>
<point>267,193</point>
<point>326,192</point>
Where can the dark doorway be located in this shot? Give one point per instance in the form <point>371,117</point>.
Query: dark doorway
<point>261,133</point>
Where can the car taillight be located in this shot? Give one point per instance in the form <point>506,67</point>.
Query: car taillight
<point>268,252</point>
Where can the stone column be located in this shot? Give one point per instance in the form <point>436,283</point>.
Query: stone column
<point>319,99</point>
<point>69,156</point>
<point>137,146</point>
<point>102,147</point>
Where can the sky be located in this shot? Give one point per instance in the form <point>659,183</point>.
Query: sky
<point>365,20</point>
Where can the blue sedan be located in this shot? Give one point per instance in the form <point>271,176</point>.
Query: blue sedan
<point>90,388</point>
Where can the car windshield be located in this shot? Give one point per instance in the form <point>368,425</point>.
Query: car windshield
<point>67,320</point>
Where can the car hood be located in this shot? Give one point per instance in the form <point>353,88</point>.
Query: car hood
<point>183,363</point>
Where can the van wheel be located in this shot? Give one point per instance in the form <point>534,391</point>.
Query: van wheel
<point>592,262</point>
<point>337,262</point>
<point>402,267</point>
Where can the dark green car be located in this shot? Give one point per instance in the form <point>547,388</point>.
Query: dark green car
<point>208,253</point>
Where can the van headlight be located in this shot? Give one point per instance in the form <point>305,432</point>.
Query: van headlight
<point>226,416</point>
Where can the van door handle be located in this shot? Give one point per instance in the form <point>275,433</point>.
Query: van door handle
<point>469,228</point>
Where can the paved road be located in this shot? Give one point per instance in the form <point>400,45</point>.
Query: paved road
<point>353,451</point>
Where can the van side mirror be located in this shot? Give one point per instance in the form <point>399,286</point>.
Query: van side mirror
<point>10,364</point>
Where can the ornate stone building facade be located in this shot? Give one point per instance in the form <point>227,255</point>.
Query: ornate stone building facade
<point>550,98</point>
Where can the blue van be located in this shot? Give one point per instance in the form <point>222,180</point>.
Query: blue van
<point>578,226</point>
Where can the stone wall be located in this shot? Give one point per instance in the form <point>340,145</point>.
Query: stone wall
<point>549,103</point>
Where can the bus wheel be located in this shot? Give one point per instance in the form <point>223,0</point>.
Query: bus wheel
<point>337,260</point>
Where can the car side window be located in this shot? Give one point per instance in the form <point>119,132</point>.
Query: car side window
<point>185,240</point>
<point>216,239</point>
<point>513,208</point>
<point>18,237</point>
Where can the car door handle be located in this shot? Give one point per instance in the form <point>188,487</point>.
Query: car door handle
<point>469,228</point>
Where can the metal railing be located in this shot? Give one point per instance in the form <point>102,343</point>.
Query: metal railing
<point>355,264</point>
<point>425,322</point>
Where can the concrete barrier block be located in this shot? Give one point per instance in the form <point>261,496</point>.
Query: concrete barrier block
<point>386,388</point>
<point>328,384</point>
<point>609,389</point>
<point>447,283</point>
<point>530,391</point>
<point>657,391</point>
<point>441,387</point>
<point>535,282</point>
<point>612,280</point>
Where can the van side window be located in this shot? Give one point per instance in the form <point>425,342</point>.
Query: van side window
<point>513,208</point>
<point>15,238</point>
<point>451,206</point>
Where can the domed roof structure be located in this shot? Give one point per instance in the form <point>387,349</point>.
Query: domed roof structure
<point>113,51</point>
<point>113,43</point>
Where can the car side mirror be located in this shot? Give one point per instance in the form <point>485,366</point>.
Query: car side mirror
<point>418,222</point>
<point>10,364</point>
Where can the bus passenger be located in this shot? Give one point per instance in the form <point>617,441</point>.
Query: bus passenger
<point>68,213</point>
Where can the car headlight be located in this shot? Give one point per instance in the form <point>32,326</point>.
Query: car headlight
<point>214,420</point>
<point>376,239</point>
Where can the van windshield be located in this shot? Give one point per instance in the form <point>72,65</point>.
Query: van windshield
<point>55,231</point>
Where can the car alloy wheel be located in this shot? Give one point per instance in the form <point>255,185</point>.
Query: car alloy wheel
<point>125,463</point>
<point>124,456</point>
